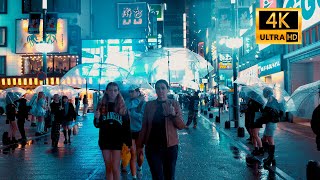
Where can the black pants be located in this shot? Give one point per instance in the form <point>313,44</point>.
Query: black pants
<point>55,131</point>
<point>192,117</point>
<point>162,162</point>
<point>318,142</point>
<point>21,128</point>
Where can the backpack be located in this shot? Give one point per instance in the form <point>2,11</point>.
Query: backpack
<point>5,138</point>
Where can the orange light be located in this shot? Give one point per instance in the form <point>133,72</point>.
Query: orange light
<point>40,82</point>
<point>19,81</point>
<point>52,81</point>
<point>68,80</point>
<point>35,81</point>
<point>14,81</point>
<point>25,81</point>
<point>57,80</point>
<point>74,80</point>
<point>3,81</point>
<point>30,81</point>
<point>9,81</point>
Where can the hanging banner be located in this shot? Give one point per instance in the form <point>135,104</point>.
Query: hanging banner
<point>268,3</point>
<point>34,23</point>
<point>132,15</point>
<point>225,61</point>
<point>224,21</point>
<point>51,26</point>
<point>244,17</point>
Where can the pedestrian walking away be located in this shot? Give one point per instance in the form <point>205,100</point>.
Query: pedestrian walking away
<point>193,109</point>
<point>22,115</point>
<point>55,112</point>
<point>85,105</point>
<point>162,118</point>
<point>112,119</point>
<point>77,100</point>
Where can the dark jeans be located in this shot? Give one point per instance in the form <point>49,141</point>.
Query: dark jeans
<point>192,117</point>
<point>318,142</point>
<point>21,128</point>
<point>162,162</point>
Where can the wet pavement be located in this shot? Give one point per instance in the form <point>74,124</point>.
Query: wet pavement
<point>208,152</point>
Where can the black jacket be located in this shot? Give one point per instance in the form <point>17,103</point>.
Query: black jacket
<point>23,109</point>
<point>70,116</point>
<point>55,111</point>
<point>315,121</point>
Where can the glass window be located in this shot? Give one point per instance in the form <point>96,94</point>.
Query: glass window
<point>3,65</point>
<point>3,6</point>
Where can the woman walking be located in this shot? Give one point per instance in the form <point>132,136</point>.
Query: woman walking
<point>162,118</point>
<point>11,118</point>
<point>39,111</point>
<point>68,114</point>
<point>135,105</point>
<point>85,105</point>
<point>112,118</point>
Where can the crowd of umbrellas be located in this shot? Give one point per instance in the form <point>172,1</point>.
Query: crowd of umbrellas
<point>301,103</point>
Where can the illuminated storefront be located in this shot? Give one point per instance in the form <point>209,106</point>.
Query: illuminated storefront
<point>270,71</point>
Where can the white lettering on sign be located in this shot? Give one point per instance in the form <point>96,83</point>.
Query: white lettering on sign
<point>269,66</point>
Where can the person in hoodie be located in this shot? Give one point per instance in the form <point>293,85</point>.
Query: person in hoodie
<point>135,106</point>
<point>112,119</point>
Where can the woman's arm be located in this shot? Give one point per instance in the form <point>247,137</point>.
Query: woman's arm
<point>144,129</point>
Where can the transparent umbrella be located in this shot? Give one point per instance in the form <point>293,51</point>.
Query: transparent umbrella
<point>64,90</point>
<point>46,89</point>
<point>278,93</point>
<point>13,93</point>
<point>145,88</point>
<point>223,88</point>
<point>249,81</point>
<point>305,99</point>
<point>94,76</point>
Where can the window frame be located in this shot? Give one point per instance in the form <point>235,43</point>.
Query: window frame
<point>4,65</point>
<point>5,36</point>
<point>5,7</point>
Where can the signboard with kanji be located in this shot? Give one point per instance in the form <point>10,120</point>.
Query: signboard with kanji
<point>132,15</point>
<point>158,8</point>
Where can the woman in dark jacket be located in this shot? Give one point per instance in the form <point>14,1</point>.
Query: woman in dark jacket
<point>22,115</point>
<point>68,114</point>
<point>113,120</point>
<point>11,117</point>
<point>55,112</point>
<point>162,119</point>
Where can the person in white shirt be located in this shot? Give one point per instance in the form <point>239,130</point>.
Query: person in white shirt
<point>221,102</point>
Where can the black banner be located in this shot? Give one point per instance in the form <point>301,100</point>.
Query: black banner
<point>51,23</point>
<point>34,23</point>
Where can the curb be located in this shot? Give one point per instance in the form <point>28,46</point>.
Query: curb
<point>245,148</point>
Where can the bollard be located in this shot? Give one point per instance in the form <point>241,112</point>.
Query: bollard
<point>240,132</point>
<point>313,170</point>
<point>209,109</point>
<point>217,119</point>
<point>227,125</point>
<point>205,112</point>
<point>210,115</point>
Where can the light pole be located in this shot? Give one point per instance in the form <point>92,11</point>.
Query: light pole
<point>43,46</point>
<point>169,78</point>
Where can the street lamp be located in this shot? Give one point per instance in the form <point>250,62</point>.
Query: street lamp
<point>43,46</point>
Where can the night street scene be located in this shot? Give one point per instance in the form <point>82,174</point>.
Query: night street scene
<point>159,89</point>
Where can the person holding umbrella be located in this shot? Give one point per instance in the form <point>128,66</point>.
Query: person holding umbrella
<point>271,115</point>
<point>11,117</point>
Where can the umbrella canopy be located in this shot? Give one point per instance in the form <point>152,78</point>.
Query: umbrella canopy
<point>64,90</point>
<point>223,88</point>
<point>305,99</point>
<point>277,92</point>
<point>154,64</point>
<point>93,75</point>
<point>46,89</point>
<point>145,88</point>
<point>249,81</point>
<point>12,94</point>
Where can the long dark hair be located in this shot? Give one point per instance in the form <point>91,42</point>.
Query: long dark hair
<point>119,101</point>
